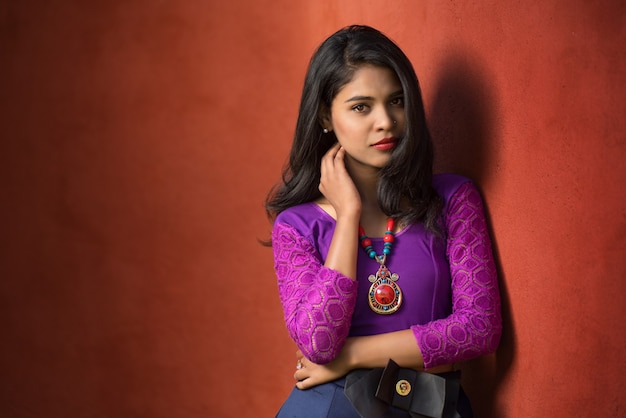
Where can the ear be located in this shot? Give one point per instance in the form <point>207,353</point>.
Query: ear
<point>324,118</point>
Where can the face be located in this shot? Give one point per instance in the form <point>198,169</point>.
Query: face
<point>367,116</point>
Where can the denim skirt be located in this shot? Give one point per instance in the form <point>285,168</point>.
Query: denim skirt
<point>329,401</point>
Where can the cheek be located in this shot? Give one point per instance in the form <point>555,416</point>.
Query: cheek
<point>399,115</point>
<point>346,129</point>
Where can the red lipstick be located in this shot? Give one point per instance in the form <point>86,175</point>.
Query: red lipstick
<point>386,144</point>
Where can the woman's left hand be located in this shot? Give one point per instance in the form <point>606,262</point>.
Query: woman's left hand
<point>309,374</point>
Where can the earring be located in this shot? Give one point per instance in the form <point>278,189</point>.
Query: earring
<point>325,130</point>
<point>395,122</point>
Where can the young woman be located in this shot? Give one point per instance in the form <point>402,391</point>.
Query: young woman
<point>385,272</point>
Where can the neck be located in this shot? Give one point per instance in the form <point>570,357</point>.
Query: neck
<point>365,179</point>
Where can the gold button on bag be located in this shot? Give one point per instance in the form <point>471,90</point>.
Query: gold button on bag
<point>403,387</point>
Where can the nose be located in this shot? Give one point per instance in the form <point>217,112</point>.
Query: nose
<point>384,120</point>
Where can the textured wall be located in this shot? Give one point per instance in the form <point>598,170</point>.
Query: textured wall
<point>138,139</point>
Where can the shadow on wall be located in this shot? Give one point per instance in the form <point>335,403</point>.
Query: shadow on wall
<point>462,118</point>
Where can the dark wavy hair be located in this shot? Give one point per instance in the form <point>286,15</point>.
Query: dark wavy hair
<point>405,189</point>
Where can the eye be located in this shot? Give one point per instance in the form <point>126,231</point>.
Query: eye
<point>397,101</point>
<point>359,108</point>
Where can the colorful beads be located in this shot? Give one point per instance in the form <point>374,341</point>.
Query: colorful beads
<point>388,239</point>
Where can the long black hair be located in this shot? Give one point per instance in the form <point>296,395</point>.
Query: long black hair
<point>405,189</point>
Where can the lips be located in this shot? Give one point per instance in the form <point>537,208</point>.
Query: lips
<point>386,144</point>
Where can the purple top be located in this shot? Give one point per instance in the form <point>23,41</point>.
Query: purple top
<point>449,285</point>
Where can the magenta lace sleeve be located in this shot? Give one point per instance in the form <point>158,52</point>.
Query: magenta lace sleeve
<point>317,302</point>
<point>475,325</point>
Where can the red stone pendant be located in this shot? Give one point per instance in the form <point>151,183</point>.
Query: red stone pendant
<point>385,296</point>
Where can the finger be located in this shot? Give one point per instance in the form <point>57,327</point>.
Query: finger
<point>340,155</point>
<point>300,375</point>
<point>330,154</point>
<point>304,384</point>
<point>332,160</point>
<point>328,160</point>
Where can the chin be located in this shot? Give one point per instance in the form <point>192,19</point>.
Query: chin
<point>380,162</point>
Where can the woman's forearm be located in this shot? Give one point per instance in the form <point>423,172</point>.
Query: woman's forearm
<point>376,350</point>
<point>342,253</point>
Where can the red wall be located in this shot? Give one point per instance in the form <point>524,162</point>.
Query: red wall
<point>138,139</point>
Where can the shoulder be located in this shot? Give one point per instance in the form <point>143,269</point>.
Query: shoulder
<point>297,214</point>
<point>309,222</point>
<point>451,186</point>
<point>447,184</point>
<point>305,218</point>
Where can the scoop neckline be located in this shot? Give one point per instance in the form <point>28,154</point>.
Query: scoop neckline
<point>328,216</point>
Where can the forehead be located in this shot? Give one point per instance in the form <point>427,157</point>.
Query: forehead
<point>371,80</point>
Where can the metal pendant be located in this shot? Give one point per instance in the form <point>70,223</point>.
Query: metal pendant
<point>385,296</point>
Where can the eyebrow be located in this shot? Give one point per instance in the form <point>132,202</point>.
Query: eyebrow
<point>369,98</point>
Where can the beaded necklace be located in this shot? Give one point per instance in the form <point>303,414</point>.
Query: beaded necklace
<point>384,296</point>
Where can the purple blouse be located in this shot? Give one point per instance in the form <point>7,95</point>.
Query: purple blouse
<point>449,285</point>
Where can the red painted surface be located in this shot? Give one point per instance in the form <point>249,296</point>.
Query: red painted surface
<point>138,139</point>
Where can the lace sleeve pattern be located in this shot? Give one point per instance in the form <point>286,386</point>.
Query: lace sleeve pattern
<point>318,302</point>
<point>475,325</point>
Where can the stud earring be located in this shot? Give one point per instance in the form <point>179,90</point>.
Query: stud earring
<point>325,130</point>
<point>395,122</point>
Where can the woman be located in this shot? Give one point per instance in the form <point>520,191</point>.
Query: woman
<point>421,294</point>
